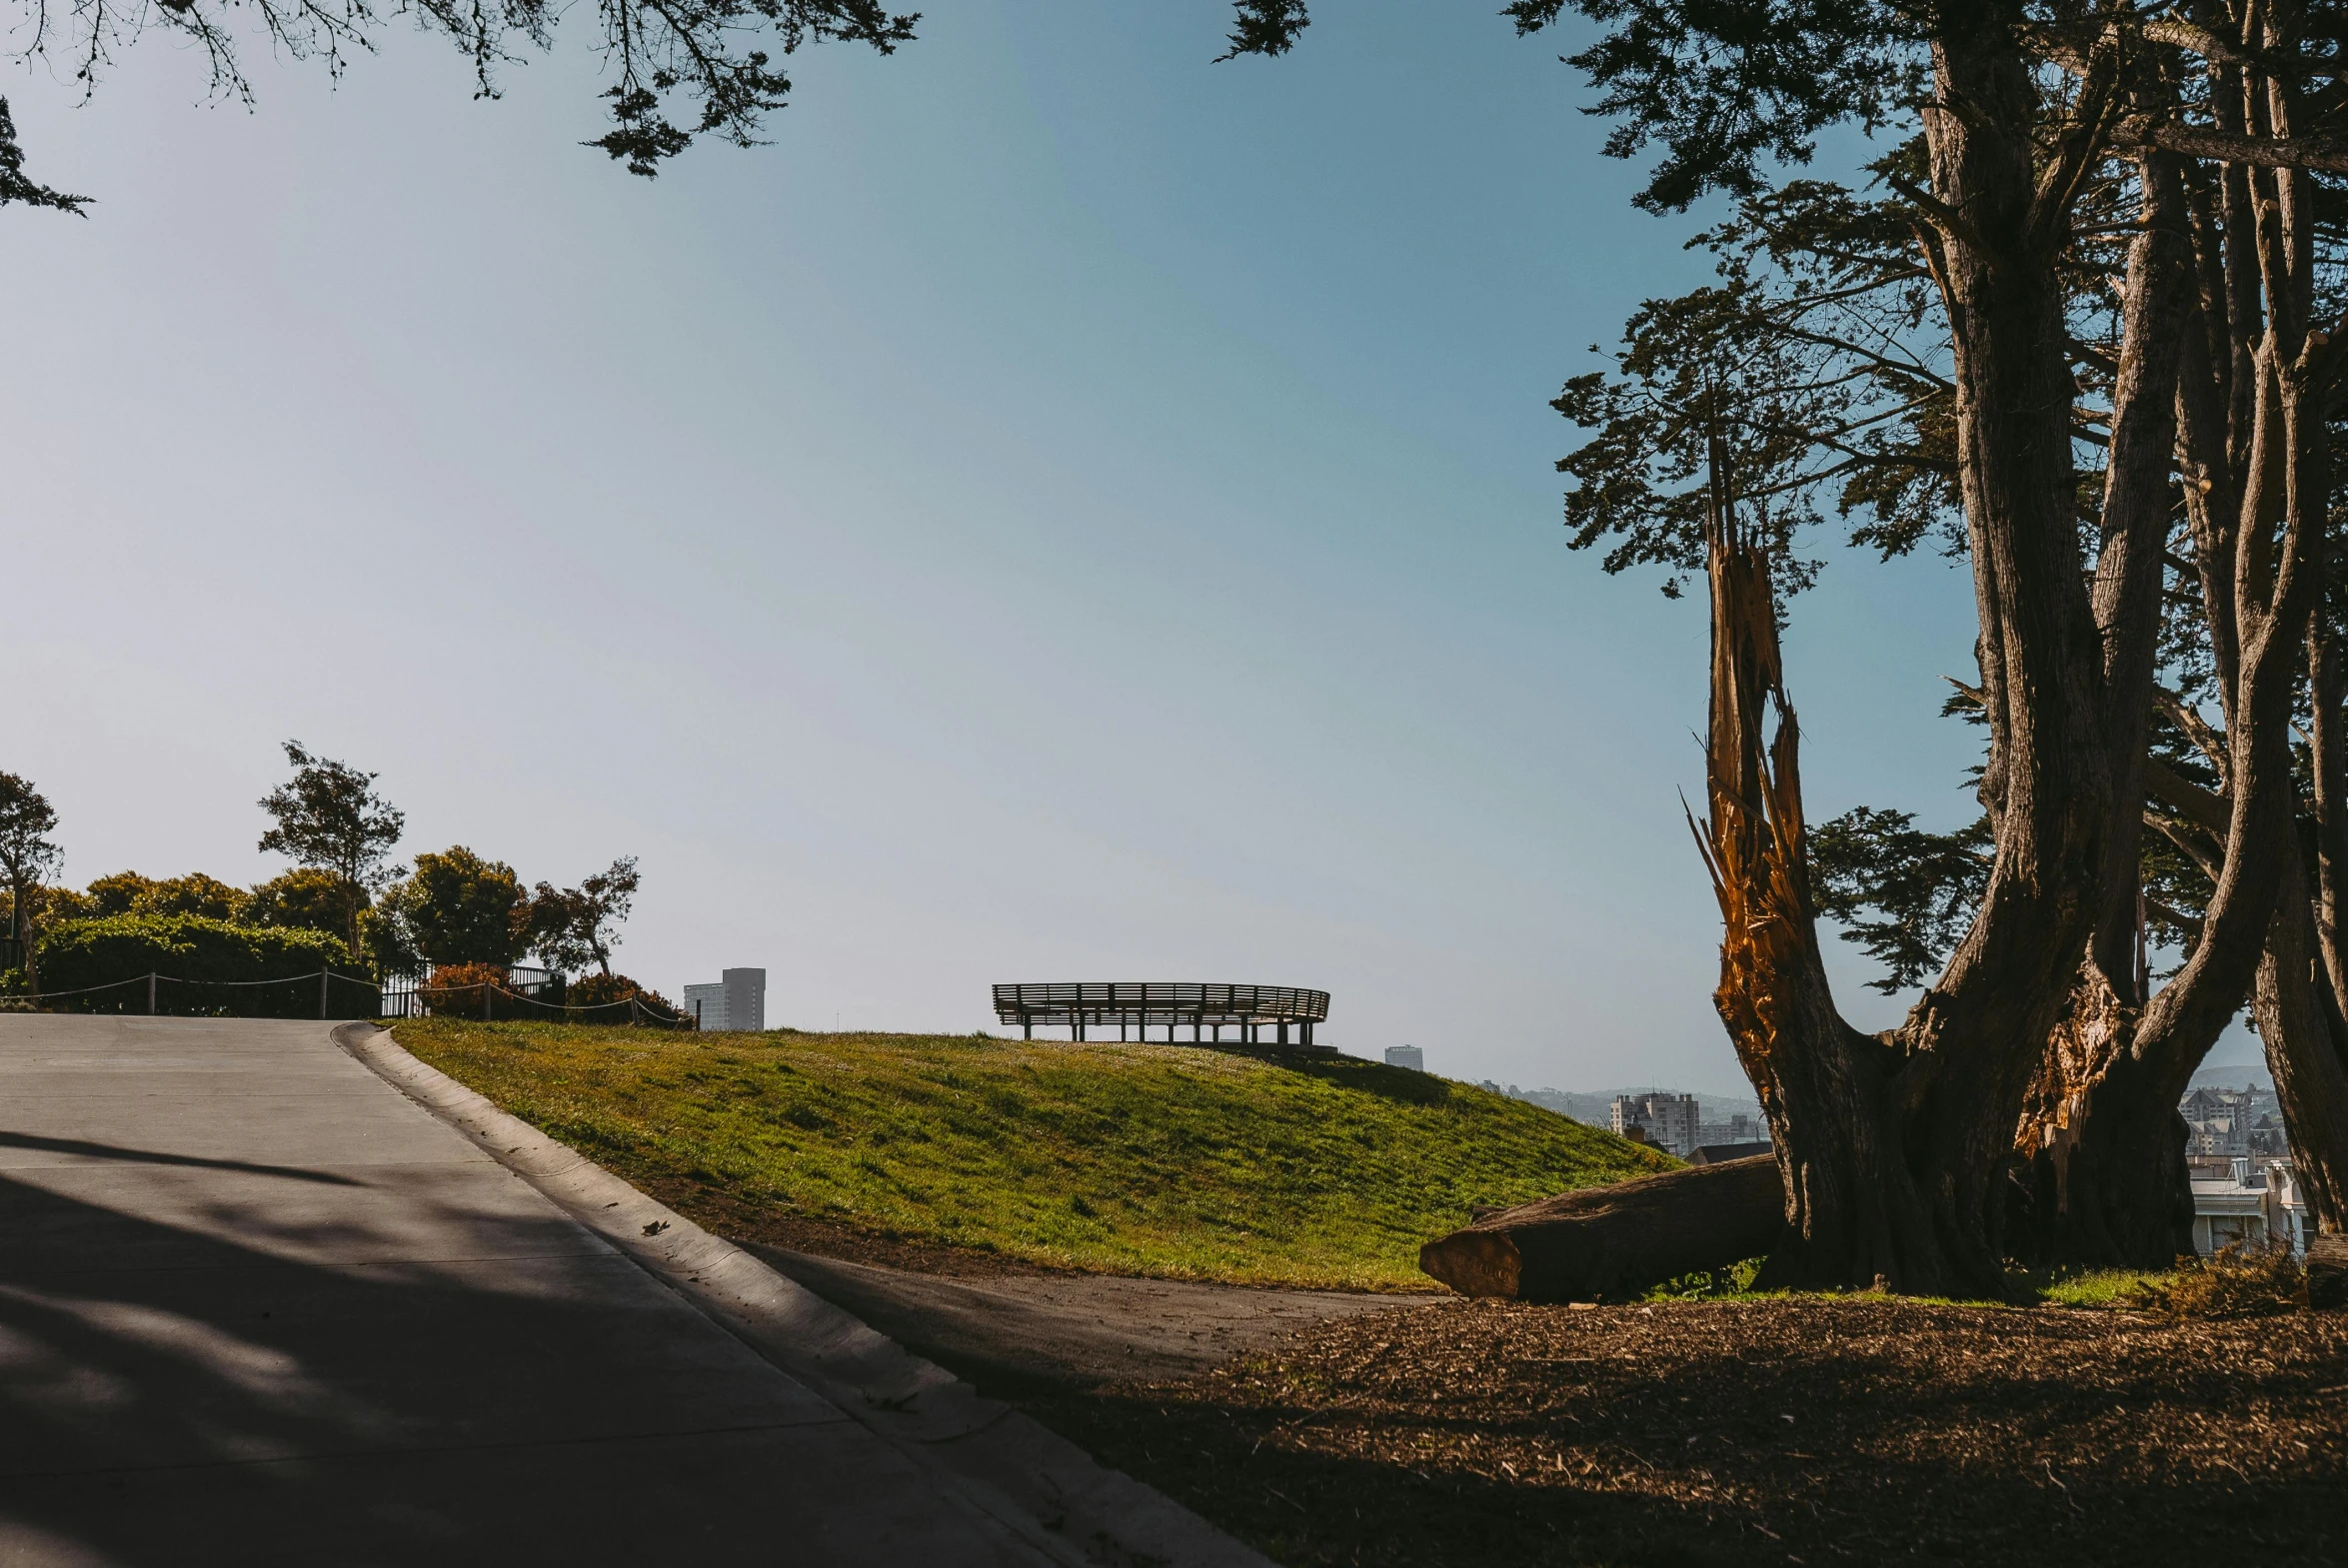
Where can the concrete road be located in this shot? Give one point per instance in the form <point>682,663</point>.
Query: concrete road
<point>258,1307</point>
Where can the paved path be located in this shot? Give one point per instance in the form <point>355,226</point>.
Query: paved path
<point>258,1307</point>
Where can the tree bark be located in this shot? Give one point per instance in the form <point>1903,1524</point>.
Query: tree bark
<point>1968,1053</point>
<point>1619,1240</point>
<point>2306,1039</point>
<point>2105,1181</point>
<point>2327,1272</point>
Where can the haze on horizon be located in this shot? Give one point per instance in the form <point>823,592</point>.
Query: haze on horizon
<point>1066,509</point>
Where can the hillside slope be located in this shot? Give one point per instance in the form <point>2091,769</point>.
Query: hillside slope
<point>1139,1159</point>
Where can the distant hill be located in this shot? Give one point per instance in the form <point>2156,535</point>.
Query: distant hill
<point>2251,1075</point>
<point>1136,1159</point>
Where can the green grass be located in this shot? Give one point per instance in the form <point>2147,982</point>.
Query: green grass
<point>2104,1287</point>
<point>1141,1159</point>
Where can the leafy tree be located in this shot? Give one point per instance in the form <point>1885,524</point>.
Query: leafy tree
<point>127,893</point>
<point>303,899</point>
<point>455,907</point>
<point>677,72</point>
<point>2093,245</point>
<point>28,856</point>
<point>330,817</point>
<point>15,185</point>
<point>1922,889</point>
<point>572,927</point>
<point>121,893</point>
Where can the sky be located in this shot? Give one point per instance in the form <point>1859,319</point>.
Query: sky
<point>1066,509</point>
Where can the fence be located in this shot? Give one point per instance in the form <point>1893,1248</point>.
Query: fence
<point>490,1002</point>
<point>287,997</point>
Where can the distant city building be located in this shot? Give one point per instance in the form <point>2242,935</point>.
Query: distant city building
<point>737,1002</point>
<point>1407,1056</point>
<point>1669,1121</point>
<point>2223,1124</point>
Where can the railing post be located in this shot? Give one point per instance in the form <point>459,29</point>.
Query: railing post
<point>321,974</point>
<point>150,994</point>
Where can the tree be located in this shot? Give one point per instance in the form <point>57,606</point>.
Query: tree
<point>572,927</point>
<point>2051,169</point>
<point>15,185</point>
<point>330,817</point>
<point>28,857</point>
<point>127,893</point>
<point>457,908</point>
<point>304,898</point>
<point>678,72</point>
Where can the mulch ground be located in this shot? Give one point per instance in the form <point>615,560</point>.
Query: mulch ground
<point>1805,1431</point>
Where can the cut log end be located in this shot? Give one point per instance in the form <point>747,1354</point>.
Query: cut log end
<point>1616,1240</point>
<point>2327,1272</point>
<point>1475,1262</point>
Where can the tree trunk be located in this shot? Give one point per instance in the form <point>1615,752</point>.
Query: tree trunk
<point>1854,1212</point>
<point>2106,1182</point>
<point>2306,1038</point>
<point>1615,1242</point>
<point>2327,1272</point>
<point>1968,1053</point>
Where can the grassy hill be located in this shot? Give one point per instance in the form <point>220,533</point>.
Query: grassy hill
<point>1141,1159</point>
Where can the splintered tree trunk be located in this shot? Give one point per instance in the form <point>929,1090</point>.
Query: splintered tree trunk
<point>1613,1241</point>
<point>1852,1211</point>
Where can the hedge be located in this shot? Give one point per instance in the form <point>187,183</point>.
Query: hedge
<point>206,967</point>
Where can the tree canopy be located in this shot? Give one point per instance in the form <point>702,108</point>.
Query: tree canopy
<point>331,817</point>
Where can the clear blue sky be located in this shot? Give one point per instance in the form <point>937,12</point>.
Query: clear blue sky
<point>1066,509</point>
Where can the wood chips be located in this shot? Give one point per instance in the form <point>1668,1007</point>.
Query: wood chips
<point>1808,1430</point>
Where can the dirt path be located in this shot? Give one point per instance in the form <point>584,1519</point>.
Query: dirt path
<point>1010,1330</point>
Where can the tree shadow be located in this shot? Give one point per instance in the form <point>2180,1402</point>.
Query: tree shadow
<point>167,1396</point>
<point>1399,1084</point>
<point>111,1152</point>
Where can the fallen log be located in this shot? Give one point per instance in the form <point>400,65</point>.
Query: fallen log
<point>2327,1271</point>
<point>1619,1240</point>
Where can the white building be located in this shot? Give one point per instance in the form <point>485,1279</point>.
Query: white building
<point>1407,1056</point>
<point>2250,1201</point>
<point>737,1001</point>
<point>1671,1120</point>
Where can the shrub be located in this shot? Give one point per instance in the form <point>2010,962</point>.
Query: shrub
<point>601,990</point>
<point>2241,1281</point>
<point>209,968</point>
<point>457,990</point>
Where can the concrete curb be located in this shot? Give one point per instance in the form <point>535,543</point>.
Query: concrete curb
<point>1042,1488</point>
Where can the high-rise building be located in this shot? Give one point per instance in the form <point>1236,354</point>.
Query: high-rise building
<point>1407,1056</point>
<point>737,1001</point>
<point>1669,1121</point>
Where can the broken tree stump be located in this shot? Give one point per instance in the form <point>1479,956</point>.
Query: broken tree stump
<point>1616,1240</point>
<point>2327,1271</point>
